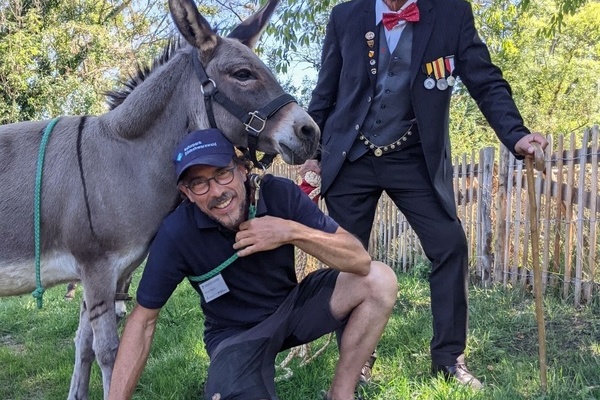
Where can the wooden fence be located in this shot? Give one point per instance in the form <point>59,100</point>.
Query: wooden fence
<point>491,198</point>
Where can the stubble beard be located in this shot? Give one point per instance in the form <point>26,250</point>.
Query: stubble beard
<point>233,221</point>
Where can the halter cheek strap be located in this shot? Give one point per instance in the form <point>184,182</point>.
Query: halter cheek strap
<point>254,121</point>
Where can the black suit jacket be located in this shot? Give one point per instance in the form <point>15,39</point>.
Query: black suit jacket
<point>346,85</point>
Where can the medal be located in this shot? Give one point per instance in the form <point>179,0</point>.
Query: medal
<point>449,62</point>
<point>442,84</point>
<point>440,74</point>
<point>374,71</point>
<point>369,35</point>
<point>429,83</point>
<point>370,43</point>
<point>371,53</point>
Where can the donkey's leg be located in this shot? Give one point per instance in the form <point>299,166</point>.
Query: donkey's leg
<point>99,280</point>
<point>84,356</point>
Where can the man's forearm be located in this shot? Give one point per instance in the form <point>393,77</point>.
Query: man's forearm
<point>133,353</point>
<point>340,250</point>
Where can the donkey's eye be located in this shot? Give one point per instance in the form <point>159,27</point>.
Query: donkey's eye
<point>243,75</point>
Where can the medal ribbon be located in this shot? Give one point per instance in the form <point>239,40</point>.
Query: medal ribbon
<point>438,68</point>
<point>449,61</point>
<point>429,69</point>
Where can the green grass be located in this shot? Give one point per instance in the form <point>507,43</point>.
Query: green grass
<point>37,351</point>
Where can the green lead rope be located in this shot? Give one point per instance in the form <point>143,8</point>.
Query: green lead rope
<point>255,182</point>
<point>38,293</point>
<point>224,264</point>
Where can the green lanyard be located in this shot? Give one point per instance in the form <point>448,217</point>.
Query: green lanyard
<point>254,183</point>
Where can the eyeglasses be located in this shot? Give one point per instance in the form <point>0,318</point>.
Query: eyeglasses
<point>201,186</point>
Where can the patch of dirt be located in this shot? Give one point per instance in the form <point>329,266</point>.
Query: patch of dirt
<point>12,344</point>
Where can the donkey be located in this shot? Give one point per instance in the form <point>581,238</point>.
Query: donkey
<point>109,181</point>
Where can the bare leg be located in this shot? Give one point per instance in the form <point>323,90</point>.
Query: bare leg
<point>368,301</point>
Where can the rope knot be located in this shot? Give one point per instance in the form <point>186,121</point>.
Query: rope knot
<point>38,294</point>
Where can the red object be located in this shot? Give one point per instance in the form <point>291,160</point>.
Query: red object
<point>409,14</point>
<point>308,189</point>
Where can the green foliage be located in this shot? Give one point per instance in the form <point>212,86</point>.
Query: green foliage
<point>564,8</point>
<point>554,80</point>
<point>299,31</point>
<point>58,57</point>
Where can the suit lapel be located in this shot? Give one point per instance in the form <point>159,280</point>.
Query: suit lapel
<point>421,33</point>
<point>367,26</point>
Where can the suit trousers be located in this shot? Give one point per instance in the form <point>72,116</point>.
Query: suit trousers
<point>352,200</point>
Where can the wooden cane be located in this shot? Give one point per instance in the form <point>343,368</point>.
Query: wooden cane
<point>537,162</point>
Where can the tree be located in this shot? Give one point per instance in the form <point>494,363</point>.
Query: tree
<point>554,80</point>
<point>564,8</point>
<point>59,56</point>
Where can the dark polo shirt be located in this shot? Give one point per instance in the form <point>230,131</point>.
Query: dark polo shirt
<point>189,243</point>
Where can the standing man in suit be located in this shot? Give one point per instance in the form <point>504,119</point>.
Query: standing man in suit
<point>382,103</point>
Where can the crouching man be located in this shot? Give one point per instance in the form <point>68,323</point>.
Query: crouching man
<point>233,239</point>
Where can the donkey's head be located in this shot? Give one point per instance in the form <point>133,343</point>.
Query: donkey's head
<point>240,84</point>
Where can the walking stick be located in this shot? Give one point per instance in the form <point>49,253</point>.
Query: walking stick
<point>538,163</point>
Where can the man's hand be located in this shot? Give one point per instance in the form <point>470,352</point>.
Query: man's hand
<point>309,165</point>
<point>524,147</point>
<point>339,250</point>
<point>262,234</point>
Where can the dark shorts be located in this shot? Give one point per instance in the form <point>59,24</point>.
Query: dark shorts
<point>243,366</point>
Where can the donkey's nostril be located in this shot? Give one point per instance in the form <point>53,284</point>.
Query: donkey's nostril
<point>307,132</point>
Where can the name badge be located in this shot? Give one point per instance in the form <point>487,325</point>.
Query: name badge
<point>213,288</point>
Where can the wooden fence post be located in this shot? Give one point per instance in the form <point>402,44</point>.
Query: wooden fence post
<point>547,212</point>
<point>579,226</point>
<point>588,289</point>
<point>559,212</point>
<point>484,215</point>
<point>499,259</point>
<point>569,226</point>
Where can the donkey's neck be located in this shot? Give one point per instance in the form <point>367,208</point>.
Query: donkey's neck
<point>153,118</point>
<point>157,105</point>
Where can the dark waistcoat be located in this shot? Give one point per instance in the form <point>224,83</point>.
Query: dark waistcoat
<point>391,110</point>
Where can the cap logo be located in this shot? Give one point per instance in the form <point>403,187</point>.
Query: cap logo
<point>198,146</point>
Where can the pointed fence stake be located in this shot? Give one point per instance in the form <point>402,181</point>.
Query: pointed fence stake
<point>538,163</point>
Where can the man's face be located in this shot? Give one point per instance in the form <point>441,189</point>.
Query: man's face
<point>225,203</point>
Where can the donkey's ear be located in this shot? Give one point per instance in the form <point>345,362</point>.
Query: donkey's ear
<point>194,28</point>
<point>250,30</point>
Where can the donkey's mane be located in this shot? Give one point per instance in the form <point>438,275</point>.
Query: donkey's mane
<point>115,97</point>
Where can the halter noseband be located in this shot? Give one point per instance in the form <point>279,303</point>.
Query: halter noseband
<point>254,121</point>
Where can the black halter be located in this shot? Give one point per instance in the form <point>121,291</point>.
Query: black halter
<point>254,121</point>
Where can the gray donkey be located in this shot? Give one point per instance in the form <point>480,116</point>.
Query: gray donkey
<point>108,180</point>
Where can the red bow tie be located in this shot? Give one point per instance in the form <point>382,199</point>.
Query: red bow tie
<point>409,14</point>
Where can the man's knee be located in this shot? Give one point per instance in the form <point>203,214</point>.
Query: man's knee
<point>383,284</point>
<point>447,242</point>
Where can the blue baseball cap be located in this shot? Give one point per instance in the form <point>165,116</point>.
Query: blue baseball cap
<point>203,147</point>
